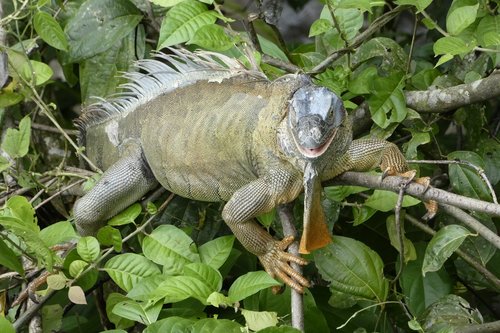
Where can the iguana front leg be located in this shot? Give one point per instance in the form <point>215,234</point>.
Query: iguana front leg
<point>258,197</point>
<point>367,154</point>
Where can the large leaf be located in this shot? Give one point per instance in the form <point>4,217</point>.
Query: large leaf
<point>212,37</point>
<point>88,248</point>
<point>128,269</point>
<point>449,312</point>
<point>58,233</point>
<point>257,320</point>
<point>353,270</point>
<point>409,248</point>
<point>182,21</point>
<point>210,276</point>
<point>213,325</point>
<point>145,313</point>
<point>50,31</point>
<point>98,25</point>
<point>249,284</point>
<point>386,201</point>
<point>488,31</point>
<point>461,14</point>
<point>178,288</point>
<point>421,291</point>
<point>171,247</point>
<point>387,102</point>
<point>171,324</point>
<point>215,252</point>
<point>466,180</point>
<point>442,246</point>
<point>111,301</point>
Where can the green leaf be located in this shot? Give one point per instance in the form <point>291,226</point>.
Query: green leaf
<point>166,3</point>
<point>145,289</point>
<point>258,320</point>
<point>172,324</point>
<point>417,139</point>
<point>88,248</point>
<point>280,329</point>
<point>58,233</point>
<point>169,246</point>
<point>17,141</point>
<point>249,284</point>
<point>215,252</point>
<point>362,214</point>
<point>217,299</point>
<point>386,201</point>
<point>213,325</point>
<point>449,313</point>
<point>349,20</point>
<point>52,317</point>
<point>127,216</point>
<point>76,267</point>
<point>394,57</point>
<point>50,31</point>
<point>465,180</point>
<point>98,25</point>
<point>210,276</point>
<point>145,313</point>
<point>128,269</point>
<point>353,270</point>
<point>339,193</point>
<point>9,259</point>
<point>35,72</point>
<point>6,325</point>
<point>488,31</point>
<point>421,291</point>
<point>443,59</point>
<point>387,103</point>
<point>109,236</point>
<point>452,46</point>
<point>8,98</point>
<point>111,301</point>
<point>320,26</point>
<point>361,83</point>
<point>420,4</point>
<point>461,14</point>
<point>409,248</point>
<point>178,288</point>
<point>182,21</point>
<point>212,37</point>
<point>442,246</point>
<point>57,281</point>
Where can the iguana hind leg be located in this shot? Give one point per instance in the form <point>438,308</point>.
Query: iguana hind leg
<point>258,197</point>
<point>121,185</point>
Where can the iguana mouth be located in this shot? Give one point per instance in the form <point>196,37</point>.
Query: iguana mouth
<point>317,151</point>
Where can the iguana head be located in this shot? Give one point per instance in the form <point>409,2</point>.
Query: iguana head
<point>314,117</point>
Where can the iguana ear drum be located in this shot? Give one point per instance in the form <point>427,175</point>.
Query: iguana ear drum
<point>314,117</point>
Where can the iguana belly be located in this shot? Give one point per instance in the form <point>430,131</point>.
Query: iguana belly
<point>203,149</point>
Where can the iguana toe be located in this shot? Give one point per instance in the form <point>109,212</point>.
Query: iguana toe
<point>276,263</point>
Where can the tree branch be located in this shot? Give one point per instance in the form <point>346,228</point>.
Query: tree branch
<point>297,301</point>
<point>445,199</point>
<point>442,100</point>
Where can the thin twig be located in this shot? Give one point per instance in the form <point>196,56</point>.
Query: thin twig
<point>478,170</point>
<point>297,300</point>
<point>399,233</point>
<point>418,191</point>
<point>59,193</point>
<point>358,40</point>
<point>474,224</point>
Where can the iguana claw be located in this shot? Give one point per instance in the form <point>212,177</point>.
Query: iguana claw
<point>276,263</point>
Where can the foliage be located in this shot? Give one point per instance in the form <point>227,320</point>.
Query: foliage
<point>178,269</point>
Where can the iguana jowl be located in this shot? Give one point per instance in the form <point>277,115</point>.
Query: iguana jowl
<point>206,128</point>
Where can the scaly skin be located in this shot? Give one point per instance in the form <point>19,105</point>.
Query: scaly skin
<point>242,140</point>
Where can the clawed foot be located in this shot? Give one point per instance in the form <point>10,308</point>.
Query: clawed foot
<point>431,206</point>
<point>276,263</point>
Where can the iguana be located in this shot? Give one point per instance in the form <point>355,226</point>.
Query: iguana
<point>206,128</point>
